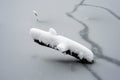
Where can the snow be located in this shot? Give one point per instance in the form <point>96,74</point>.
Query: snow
<point>35,13</point>
<point>61,43</point>
<point>52,31</point>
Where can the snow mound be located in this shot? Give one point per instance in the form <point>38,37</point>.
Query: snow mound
<point>65,45</point>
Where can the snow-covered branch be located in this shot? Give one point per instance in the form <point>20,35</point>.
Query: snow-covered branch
<point>65,45</point>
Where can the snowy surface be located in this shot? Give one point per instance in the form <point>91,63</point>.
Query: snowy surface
<point>93,23</point>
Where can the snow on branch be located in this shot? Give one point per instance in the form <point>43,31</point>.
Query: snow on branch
<point>65,45</point>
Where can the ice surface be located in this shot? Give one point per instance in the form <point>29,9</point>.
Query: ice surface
<point>22,59</point>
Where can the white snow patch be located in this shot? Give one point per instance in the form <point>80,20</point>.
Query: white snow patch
<point>62,43</point>
<point>52,31</point>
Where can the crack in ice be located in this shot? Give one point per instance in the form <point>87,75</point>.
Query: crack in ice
<point>96,49</point>
<point>86,30</point>
<point>104,8</point>
<point>96,6</point>
<point>92,72</point>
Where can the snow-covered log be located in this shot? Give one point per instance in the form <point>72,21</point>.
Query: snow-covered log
<point>65,45</point>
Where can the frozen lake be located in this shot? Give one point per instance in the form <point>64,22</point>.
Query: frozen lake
<point>93,23</point>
